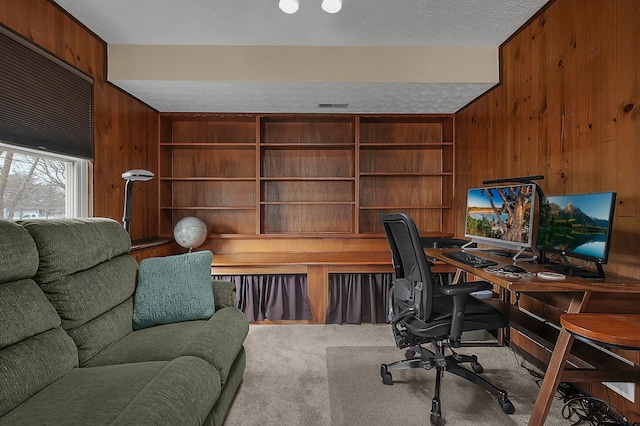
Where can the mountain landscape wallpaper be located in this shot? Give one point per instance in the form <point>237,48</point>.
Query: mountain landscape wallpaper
<point>577,224</point>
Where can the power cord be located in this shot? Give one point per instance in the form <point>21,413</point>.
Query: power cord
<point>588,410</point>
<point>580,408</point>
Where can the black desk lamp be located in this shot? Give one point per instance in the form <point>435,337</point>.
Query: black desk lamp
<point>131,176</point>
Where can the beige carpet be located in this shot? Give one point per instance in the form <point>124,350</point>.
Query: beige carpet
<point>358,397</point>
<point>289,368</point>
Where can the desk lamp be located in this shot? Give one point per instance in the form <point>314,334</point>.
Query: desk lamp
<point>131,176</point>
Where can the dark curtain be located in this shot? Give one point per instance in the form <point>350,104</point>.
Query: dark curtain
<point>359,297</point>
<point>353,298</point>
<point>271,297</point>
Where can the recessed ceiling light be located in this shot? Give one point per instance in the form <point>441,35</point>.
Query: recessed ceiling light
<point>331,6</point>
<point>289,6</point>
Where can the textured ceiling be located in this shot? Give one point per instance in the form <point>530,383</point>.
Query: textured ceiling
<point>371,23</point>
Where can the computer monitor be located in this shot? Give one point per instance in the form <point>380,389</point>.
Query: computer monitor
<point>501,216</point>
<point>578,226</point>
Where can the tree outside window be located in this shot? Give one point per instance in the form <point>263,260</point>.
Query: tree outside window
<point>31,185</point>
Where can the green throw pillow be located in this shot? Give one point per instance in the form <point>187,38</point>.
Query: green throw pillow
<point>173,289</point>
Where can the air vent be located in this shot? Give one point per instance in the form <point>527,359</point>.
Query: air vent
<point>334,106</point>
<point>628,390</point>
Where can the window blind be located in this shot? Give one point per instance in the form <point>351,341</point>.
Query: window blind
<point>45,104</point>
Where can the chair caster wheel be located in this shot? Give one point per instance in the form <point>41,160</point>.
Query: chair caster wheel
<point>477,367</point>
<point>505,404</point>
<point>436,419</point>
<point>436,413</point>
<point>387,379</point>
<point>508,408</point>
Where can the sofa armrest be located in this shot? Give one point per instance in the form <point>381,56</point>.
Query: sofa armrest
<point>224,294</point>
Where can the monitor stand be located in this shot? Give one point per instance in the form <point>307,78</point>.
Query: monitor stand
<point>570,270</point>
<point>525,259</point>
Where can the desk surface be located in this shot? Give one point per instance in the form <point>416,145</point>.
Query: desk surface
<point>609,284</point>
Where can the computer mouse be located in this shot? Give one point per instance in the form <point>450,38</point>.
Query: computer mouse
<point>513,268</point>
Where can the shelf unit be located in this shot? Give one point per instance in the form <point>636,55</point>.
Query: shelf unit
<point>305,174</point>
<point>208,170</point>
<point>406,164</point>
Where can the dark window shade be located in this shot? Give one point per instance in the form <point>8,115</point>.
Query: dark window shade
<point>44,103</point>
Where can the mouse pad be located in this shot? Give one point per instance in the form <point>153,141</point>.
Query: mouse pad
<point>500,273</point>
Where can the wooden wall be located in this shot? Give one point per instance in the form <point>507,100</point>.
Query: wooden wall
<point>125,130</point>
<point>566,108</point>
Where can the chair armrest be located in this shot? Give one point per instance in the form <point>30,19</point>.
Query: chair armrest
<point>464,288</point>
<point>224,294</point>
<point>460,293</point>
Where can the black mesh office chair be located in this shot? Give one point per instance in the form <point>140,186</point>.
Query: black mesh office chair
<point>421,312</point>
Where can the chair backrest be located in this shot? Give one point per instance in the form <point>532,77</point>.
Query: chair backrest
<point>413,282</point>
<point>34,349</point>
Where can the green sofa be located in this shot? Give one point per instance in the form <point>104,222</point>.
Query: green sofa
<point>68,352</point>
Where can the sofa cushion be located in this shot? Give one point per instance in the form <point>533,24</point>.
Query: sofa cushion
<point>173,289</point>
<point>24,312</point>
<point>34,350</point>
<point>18,252</point>
<point>217,340</point>
<point>88,276</point>
<point>67,246</point>
<point>31,365</point>
<point>102,331</point>
<point>85,295</point>
<point>180,392</point>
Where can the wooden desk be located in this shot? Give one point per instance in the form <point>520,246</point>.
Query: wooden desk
<point>579,292</point>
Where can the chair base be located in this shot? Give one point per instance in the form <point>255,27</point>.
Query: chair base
<point>451,363</point>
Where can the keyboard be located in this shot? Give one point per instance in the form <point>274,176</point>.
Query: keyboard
<point>470,259</point>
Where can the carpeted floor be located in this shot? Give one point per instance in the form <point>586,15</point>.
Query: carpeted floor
<point>316,375</point>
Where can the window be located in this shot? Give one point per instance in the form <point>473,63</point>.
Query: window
<point>37,185</point>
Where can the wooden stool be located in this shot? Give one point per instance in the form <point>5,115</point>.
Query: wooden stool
<point>619,330</point>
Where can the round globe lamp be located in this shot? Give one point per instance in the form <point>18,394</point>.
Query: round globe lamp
<point>190,232</point>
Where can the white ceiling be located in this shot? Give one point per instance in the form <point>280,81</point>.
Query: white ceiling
<point>361,23</point>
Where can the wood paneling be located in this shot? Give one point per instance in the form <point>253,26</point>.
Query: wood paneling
<point>125,130</point>
<point>566,108</point>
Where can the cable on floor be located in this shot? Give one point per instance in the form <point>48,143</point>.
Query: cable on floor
<point>583,409</point>
<point>578,407</point>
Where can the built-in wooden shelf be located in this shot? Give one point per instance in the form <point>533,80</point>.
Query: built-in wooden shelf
<point>305,174</point>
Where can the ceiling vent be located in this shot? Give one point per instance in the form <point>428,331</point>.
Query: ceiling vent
<point>333,106</point>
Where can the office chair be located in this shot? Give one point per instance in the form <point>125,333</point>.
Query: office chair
<point>421,312</point>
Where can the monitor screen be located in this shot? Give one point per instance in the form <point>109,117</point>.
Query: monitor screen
<point>501,215</point>
<point>577,225</point>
